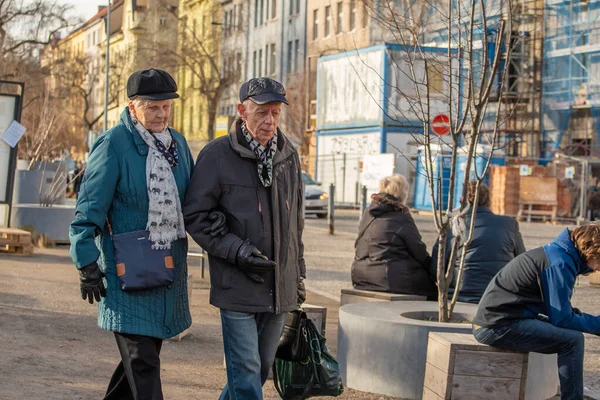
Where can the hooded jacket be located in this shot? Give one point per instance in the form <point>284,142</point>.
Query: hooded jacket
<point>538,282</point>
<point>390,255</point>
<point>226,179</point>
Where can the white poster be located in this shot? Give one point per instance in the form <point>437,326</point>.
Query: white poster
<point>13,134</point>
<point>375,168</point>
<point>7,115</point>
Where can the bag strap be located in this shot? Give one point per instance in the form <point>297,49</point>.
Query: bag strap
<point>276,381</point>
<point>109,227</point>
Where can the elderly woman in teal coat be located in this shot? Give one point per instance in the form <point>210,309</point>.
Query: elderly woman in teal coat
<point>116,192</point>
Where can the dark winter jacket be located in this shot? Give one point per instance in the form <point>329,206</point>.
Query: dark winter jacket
<point>226,179</point>
<point>537,284</point>
<point>390,255</point>
<point>496,241</point>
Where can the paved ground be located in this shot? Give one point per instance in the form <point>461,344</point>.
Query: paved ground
<point>51,347</point>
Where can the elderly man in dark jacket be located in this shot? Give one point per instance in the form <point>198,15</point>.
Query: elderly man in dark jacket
<point>257,269</point>
<point>496,241</point>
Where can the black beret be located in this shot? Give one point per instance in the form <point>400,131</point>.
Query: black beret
<point>151,84</point>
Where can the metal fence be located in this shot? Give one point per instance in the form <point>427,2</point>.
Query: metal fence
<point>578,177</point>
<point>344,170</point>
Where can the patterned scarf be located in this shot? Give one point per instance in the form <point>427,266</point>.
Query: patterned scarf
<point>165,219</point>
<point>264,156</point>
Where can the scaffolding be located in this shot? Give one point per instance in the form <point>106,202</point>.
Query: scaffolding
<point>523,88</point>
<point>571,83</point>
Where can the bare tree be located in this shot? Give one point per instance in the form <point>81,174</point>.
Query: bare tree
<point>451,64</point>
<point>211,67</point>
<point>26,26</point>
<point>293,122</point>
<point>79,84</point>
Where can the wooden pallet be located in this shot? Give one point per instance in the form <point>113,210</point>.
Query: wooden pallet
<point>15,241</point>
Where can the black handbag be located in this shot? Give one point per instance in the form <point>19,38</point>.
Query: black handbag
<point>139,266</point>
<point>317,375</point>
<point>293,343</point>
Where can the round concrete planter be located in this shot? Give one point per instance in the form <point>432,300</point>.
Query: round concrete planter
<point>53,221</point>
<point>381,350</point>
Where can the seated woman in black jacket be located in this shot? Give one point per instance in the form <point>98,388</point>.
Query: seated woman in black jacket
<point>496,241</point>
<point>390,255</point>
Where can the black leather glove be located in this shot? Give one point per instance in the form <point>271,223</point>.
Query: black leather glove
<point>90,282</point>
<point>253,262</point>
<point>219,226</point>
<point>577,311</point>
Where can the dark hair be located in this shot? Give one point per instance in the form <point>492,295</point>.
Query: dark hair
<point>484,194</point>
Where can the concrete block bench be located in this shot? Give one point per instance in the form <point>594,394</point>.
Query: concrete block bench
<point>350,296</point>
<point>382,347</point>
<point>318,315</point>
<point>458,367</point>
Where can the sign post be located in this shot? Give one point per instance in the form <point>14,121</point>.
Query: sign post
<point>441,124</point>
<point>10,111</point>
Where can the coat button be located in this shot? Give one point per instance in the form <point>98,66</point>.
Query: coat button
<point>168,330</point>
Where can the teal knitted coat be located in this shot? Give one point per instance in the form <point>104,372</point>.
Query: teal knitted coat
<point>114,186</point>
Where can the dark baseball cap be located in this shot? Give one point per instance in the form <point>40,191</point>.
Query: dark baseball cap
<point>263,91</point>
<point>151,84</point>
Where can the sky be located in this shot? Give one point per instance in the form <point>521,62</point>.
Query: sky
<point>86,8</point>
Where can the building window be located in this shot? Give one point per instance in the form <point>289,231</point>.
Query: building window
<point>259,63</point>
<point>204,26</point>
<point>316,24</point>
<point>266,71</point>
<point>297,6</point>
<point>262,11</point>
<point>274,9</point>
<point>296,54</point>
<point>352,15</point>
<point>255,13</point>
<point>340,17</point>
<point>238,65</point>
<point>291,7</point>
<point>254,64</point>
<point>272,62</point>
<point>327,21</point>
<point>163,20</point>
<point>289,59</point>
<point>191,121</point>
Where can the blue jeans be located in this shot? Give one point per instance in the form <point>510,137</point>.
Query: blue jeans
<point>542,337</point>
<point>250,342</point>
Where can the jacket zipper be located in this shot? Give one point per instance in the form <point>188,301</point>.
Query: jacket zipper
<point>259,205</point>
<point>287,204</point>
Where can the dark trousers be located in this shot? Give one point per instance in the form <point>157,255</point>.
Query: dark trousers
<point>545,338</point>
<point>137,376</point>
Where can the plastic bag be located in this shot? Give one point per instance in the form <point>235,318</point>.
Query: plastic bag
<point>318,375</point>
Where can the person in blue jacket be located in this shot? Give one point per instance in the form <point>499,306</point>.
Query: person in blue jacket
<point>140,154</point>
<point>527,306</point>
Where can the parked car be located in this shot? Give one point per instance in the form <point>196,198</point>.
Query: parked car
<point>316,201</point>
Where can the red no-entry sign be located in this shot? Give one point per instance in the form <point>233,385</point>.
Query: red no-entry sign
<point>441,124</point>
